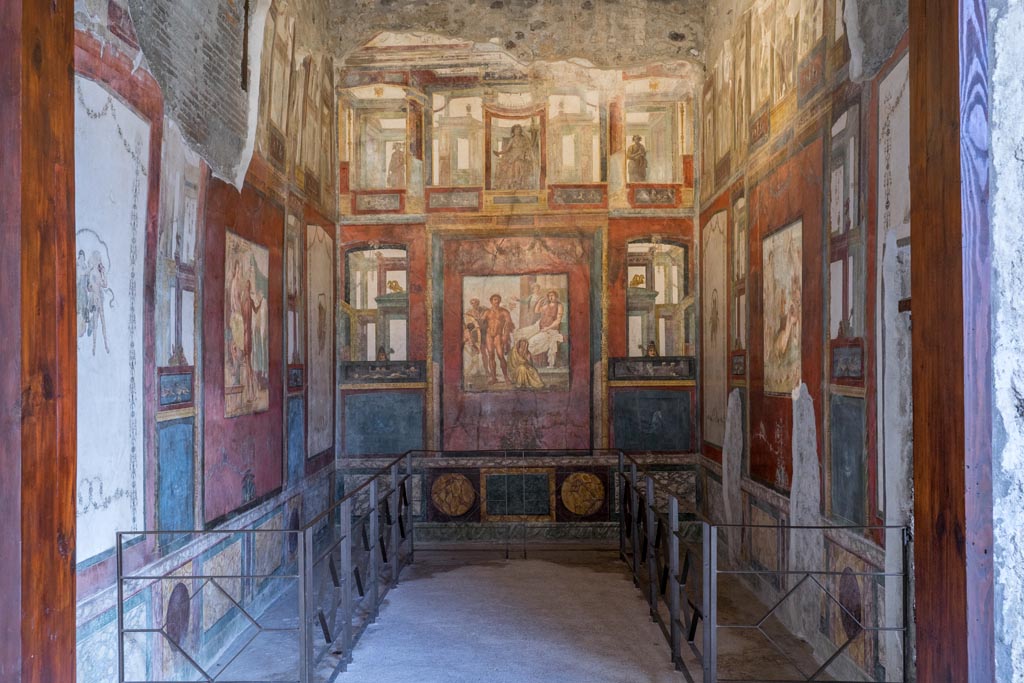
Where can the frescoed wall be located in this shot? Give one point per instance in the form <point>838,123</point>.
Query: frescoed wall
<point>799,173</point>
<point>111,243</point>
<point>519,255</point>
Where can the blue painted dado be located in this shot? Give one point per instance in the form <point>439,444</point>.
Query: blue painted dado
<point>176,474</point>
<point>652,420</point>
<point>383,423</point>
<point>296,439</point>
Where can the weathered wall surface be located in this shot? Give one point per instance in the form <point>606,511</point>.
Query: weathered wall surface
<point>1006,26</point>
<point>604,32</point>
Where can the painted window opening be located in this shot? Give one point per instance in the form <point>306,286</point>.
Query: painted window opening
<point>654,133</point>
<point>457,145</point>
<point>377,303</point>
<point>574,133</point>
<point>381,157</point>
<point>659,301</point>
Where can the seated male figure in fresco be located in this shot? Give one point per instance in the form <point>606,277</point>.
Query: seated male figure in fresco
<point>499,339</point>
<point>548,336</point>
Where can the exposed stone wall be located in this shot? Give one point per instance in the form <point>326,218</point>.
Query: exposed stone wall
<point>1007,207</point>
<point>874,27</point>
<point>195,51</point>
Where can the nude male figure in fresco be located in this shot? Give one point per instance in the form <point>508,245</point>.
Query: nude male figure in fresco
<point>499,338</point>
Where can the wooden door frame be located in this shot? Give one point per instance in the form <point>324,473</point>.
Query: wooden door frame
<point>952,374</point>
<point>951,346</point>
<point>38,371</point>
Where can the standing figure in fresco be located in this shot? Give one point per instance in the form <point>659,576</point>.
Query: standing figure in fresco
<point>528,314</point>
<point>548,336</point>
<point>636,160</point>
<point>396,167</point>
<point>236,321</point>
<point>524,374</point>
<point>515,162</point>
<point>250,307</point>
<point>260,362</point>
<point>498,340</point>
<point>474,336</point>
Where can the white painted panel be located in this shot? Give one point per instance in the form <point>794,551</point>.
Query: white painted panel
<point>397,335</point>
<point>714,348</point>
<point>110,210</point>
<point>835,298</point>
<point>636,336</point>
<point>320,339</point>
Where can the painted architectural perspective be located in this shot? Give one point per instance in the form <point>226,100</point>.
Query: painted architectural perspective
<point>519,241</point>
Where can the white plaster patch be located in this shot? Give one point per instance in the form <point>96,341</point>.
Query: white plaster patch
<point>1007,205</point>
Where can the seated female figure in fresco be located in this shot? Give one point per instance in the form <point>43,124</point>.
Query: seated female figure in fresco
<point>515,162</point>
<point>524,374</point>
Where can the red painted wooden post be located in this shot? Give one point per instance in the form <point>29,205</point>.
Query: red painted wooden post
<point>37,320</point>
<point>952,375</point>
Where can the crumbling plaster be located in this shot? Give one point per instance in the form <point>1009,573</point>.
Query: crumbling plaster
<point>1007,208</point>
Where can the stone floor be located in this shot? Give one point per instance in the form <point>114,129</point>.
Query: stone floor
<point>543,614</point>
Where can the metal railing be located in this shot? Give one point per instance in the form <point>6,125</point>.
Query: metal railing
<point>316,588</point>
<point>659,547</point>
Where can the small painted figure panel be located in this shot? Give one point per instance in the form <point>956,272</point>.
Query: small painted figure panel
<point>246,340</point>
<point>783,294</point>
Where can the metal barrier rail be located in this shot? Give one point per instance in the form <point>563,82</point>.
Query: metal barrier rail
<point>346,560</point>
<point>651,543</point>
<point>667,578</point>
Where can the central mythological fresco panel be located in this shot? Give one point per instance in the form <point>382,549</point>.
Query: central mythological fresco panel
<point>516,333</point>
<point>515,339</point>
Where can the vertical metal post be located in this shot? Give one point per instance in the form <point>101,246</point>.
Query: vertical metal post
<point>634,499</point>
<point>908,662</point>
<point>620,479</point>
<point>651,552</point>
<point>675,639</point>
<point>374,559</point>
<point>346,578</point>
<point>396,559</point>
<point>710,603</point>
<point>120,609</point>
<point>305,605</point>
<point>409,530</point>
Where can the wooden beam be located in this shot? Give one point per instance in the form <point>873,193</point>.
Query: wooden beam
<point>952,377</point>
<point>37,319</point>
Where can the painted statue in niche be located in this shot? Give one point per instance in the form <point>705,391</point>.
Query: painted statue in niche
<point>784,72</point>
<point>396,166</point>
<point>760,54</point>
<point>783,296</point>
<point>517,162</point>
<point>519,340</point>
<point>723,101</point>
<point>246,341</point>
<point>636,160</point>
<point>320,349</point>
<point>740,99</point>
<point>811,26</point>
